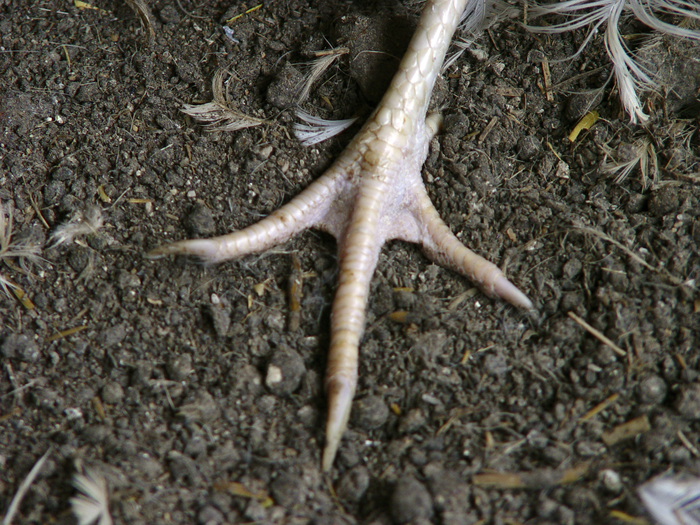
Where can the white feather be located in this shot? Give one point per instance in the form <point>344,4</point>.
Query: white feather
<point>92,504</point>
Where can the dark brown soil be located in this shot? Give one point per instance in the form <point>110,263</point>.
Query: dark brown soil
<point>163,388</point>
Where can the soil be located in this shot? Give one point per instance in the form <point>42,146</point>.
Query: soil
<point>156,373</point>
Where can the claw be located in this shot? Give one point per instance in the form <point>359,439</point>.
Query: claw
<point>506,290</point>
<point>340,393</point>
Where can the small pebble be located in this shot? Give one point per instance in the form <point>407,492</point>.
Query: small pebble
<point>54,192</point>
<point>284,372</point>
<point>255,512</point>
<point>87,94</point>
<point>611,481</point>
<point>496,363</point>
<point>275,320</point>
<point>182,466</point>
<point>679,455</point>
<point>179,367</point>
<point>203,408</point>
<point>220,317</point>
<point>112,393</point>
<point>478,54</point>
<point>451,495</point>
<point>652,390</point>
<point>579,104</point>
<point>456,124</point>
<point>96,434</point>
<point>143,370</point>
<point>148,466</point>
<point>210,515</point>
<point>370,412</point>
<point>417,456</point>
<point>572,268</point>
<point>537,439</point>
<point>127,279</point>
<point>588,449</point>
<point>528,147</point>
<point>410,501</point>
<point>63,173</point>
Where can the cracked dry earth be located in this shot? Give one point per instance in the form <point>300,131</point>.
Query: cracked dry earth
<point>467,410</point>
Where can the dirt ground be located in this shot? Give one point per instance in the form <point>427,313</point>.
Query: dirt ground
<point>468,411</point>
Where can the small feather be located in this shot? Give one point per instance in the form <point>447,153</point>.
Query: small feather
<point>85,222</point>
<point>219,114</point>
<point>317,129</point>
<point>672,501</point>
<point>92,504</point>
<point>631,77</point>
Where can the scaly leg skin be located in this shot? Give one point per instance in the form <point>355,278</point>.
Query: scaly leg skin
<point>373,193</point>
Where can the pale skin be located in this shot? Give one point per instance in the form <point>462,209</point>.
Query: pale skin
<point>373,193</point>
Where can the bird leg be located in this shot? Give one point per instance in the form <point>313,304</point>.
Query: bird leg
<point>373,193</point>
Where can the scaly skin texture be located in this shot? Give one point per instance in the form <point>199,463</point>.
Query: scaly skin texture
<point>373,193</point>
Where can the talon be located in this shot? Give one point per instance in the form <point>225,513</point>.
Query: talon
<point>504,289</point>
<point>340,394</point>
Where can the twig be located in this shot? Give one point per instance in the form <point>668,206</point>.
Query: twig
<point>597,334</point>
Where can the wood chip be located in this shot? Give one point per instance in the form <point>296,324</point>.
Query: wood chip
<point>626,430</point>
<point>296,280</point>
<point>536,479</point>
<point>22,297</point>
<point>547,79</point>
<point>487,129</point>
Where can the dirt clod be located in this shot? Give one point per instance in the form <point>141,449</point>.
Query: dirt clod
<point>200,221</point>
<point>20,346</point>
<point>410,501</point>
<point>664,201</point>
<point>688,402</point>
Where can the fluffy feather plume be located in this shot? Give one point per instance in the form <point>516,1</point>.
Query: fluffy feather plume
<point>627,157</point>
<point>323,61</point>
<point>84,222</point>
<point>219,114</point>
<point>92,504</point>
<point>24,250</point>
<point>672,501</point>
<point>631,77</point>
